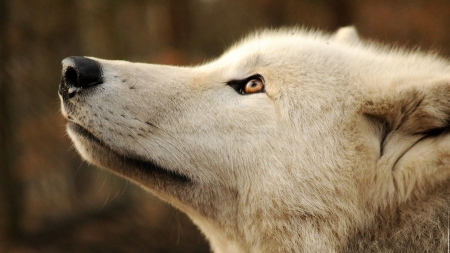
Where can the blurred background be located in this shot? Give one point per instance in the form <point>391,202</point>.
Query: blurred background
<point>51,201</point>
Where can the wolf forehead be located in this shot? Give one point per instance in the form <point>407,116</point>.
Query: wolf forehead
<point>275,45</point>
<point>288,38</point>
<point>309,56</point>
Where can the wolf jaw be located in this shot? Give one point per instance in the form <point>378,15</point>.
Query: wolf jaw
<point>124,161</point>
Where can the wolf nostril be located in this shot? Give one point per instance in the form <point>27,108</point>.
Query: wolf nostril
<point>79,73</point>
<point>70,79</point>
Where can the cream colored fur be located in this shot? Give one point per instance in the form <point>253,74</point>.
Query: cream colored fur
<point>346,150</point>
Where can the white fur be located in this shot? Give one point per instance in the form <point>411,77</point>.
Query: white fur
<point>339,138</point>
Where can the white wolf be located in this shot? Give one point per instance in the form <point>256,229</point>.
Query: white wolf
<point>292,141</point>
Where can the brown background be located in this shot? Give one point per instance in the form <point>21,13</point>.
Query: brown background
<point>51,201</point>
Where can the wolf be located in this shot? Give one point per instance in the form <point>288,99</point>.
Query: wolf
<point>294,140</point>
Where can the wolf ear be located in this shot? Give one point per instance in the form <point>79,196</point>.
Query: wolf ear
<point>346,35</point>
<point>413,123</point>
<point>412,109</point>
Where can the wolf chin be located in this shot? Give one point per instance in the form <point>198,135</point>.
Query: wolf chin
<point>292,141</point>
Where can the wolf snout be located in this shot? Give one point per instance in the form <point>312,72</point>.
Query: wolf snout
<point>79,73</point>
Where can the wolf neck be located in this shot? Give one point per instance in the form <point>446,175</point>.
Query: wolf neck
<point>262,238</point>
<point>416,224</point>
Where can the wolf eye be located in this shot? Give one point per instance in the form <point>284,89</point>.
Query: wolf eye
<point>253,86</point>
<point>249,85</point>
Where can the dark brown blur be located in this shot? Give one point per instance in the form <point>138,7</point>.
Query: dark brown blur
<point>51,201</point>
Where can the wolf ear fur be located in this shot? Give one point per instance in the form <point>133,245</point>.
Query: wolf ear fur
<point>413,110</point>
<point>414,140</point>
<point>346,35</point>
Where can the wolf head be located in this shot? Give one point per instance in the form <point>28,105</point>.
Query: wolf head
<point>292,139</point>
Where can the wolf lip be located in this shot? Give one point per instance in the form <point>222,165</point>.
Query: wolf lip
<point>133,162</point>
<point>84,132</point>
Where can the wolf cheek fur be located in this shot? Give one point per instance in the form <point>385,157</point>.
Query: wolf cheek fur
<point>341,145</point>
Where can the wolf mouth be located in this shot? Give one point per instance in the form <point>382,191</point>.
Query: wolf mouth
<point>142,165</point>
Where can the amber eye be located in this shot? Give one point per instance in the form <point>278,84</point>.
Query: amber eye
<point>253,86</point>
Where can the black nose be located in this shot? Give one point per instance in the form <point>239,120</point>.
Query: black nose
<point>79,73</point>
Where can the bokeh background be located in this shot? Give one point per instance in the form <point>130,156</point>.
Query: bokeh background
<point>51,201</point>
